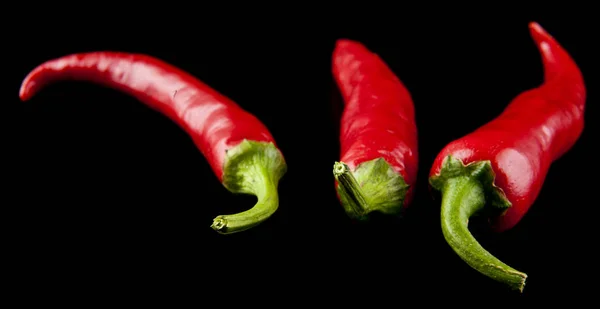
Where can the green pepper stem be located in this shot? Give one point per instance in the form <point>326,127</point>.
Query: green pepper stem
<point>251,168</point>
<point>373,186</point>
<point>356,203</point>
<point>267,204</point>
<point>463,197</point>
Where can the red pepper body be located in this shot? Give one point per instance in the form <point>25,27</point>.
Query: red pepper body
<point>214,122</point>
<point>501,166</point>
<point>535,129</point>
<point>378,117</point>
<point>239,148</point>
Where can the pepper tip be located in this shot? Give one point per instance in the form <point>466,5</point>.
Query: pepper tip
<point>533,25</point>
<point>344,42</point>
<point>28,88</point>
<point>538,32</point>
<point>22,92</point>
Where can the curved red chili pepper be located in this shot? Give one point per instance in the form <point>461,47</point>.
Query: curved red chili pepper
<point>503,164</point>
<point>378,134</point>
<point>239,148</point>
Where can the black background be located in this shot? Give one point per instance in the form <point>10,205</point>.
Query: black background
<point>113,199</point>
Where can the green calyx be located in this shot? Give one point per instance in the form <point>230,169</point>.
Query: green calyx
<point>373,186</point>
<point>469,190</point>
<point>251,168</point>
<point>481,171</point>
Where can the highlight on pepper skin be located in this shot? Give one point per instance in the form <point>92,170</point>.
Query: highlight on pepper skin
<point>499,169</point>
<point>241,151</point>
<point>378,163</point>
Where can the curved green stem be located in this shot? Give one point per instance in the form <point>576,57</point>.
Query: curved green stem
<point>462,197</point>
<point>251,168</point>
<point>267,204</point>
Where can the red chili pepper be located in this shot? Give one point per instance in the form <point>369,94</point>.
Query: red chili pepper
<point>239,148</point>
<point>502,165</point>
<point>378,134</point>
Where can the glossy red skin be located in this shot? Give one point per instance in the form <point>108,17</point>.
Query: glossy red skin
<point>378,120</point>
<point>214,122</point>
<point>535,129</point>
